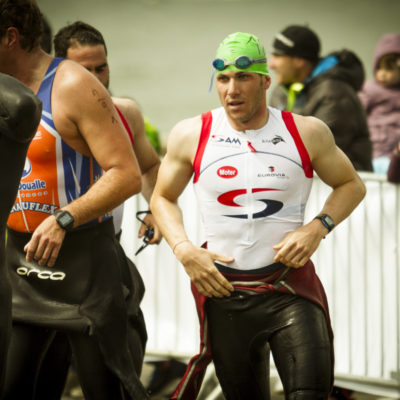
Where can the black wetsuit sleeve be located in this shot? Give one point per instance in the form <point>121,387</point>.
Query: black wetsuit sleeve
<point>20,110</point>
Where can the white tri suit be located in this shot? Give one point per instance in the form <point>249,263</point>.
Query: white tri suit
<point>92,293</point>
<point>252,188</point>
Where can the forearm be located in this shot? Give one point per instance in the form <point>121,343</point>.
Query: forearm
<point>111,190</point>
<point>344,199</point>
<point>169,219</point>
<point>149,179</point>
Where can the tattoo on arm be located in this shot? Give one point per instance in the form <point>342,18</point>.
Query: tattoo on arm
<point>103,103</point>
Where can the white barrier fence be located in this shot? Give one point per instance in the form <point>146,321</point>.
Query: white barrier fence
<point>358,263</point>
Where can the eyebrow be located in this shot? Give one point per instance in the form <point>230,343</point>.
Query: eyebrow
<point>101,66</point>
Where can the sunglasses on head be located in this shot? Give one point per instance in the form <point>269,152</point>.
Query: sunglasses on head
<point>241,62</point>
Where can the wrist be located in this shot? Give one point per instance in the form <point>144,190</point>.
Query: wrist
<point>326,221</point>
<point>64,219</point>
<point>178,243</point>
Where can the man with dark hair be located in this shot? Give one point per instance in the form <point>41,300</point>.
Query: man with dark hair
<point>20,113</point>
<point>77,34</point>
<point>253,281</point>
<point>325,88</point>
<point>67,270</point>
<point>84,44</point>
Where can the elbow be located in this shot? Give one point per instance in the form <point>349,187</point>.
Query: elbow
<point>136,185</point>
<point>362,189</point>
<point>133,183</point>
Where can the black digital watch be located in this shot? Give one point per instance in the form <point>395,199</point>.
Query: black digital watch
<point>64,219</point>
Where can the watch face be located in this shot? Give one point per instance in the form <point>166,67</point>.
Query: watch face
<point>64,219</point>
<point>328,219</point>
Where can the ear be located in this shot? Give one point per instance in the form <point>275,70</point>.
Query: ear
<point>299,63</point>
<point>267,81</point>
<point>11,37</point>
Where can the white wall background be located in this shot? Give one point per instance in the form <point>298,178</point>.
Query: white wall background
<point>160,51</point>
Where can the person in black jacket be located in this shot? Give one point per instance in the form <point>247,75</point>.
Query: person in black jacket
<point>322,87</point>
<point>20,112</point>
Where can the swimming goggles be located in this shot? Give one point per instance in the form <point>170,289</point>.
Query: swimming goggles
<point>148,235</point>
<point>241,62</point>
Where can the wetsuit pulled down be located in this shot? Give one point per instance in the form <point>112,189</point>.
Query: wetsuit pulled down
<point>293,328</point>
<point>20,113</point>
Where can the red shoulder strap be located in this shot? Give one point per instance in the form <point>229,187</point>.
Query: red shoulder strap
<point>204,135</point>
<point>125,124</point>
<point>292,128</point>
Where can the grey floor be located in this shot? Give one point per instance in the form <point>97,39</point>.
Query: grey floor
<point>76,394</point>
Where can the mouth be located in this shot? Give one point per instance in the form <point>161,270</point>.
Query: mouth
<point>235,104</point>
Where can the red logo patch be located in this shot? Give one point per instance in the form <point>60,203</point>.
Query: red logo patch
<point>227,172</point>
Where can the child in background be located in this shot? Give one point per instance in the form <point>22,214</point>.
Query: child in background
<point>381,99</point>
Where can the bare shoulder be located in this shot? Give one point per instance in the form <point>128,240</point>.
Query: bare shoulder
<point>72,76</point>
<point>76,87</point>
<point>315,134</point>
<point>81,106</point>
<point>184,138</point>
<point>127,106</point>
<point>131,112</point>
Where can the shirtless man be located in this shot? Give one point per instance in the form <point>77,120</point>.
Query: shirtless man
<point>66,267</point>
<point>254,282</point>
<point>84,44</point>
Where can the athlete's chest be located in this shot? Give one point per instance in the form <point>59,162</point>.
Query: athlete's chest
<point>262,159</point>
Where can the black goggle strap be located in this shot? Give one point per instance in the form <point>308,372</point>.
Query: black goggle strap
<point>148,235</point>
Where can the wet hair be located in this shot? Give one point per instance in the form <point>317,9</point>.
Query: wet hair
<point>77,33</point>
<point>389,61</point>
<point>25,16</point>
<point>46,42</point>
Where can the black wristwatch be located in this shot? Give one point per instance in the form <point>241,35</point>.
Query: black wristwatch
<point>326,220</point>
<point>64,219</point>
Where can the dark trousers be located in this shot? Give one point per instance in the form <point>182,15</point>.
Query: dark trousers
<point>246,327</point>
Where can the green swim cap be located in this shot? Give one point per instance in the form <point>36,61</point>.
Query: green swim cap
<point>242,44</point>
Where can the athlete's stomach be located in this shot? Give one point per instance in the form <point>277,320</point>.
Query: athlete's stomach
<point>249,242</point>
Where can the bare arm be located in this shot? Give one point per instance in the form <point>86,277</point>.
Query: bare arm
<point>175,172</point>
<point>87,120</point>
<point>336,170</point>
<point>147,157</point>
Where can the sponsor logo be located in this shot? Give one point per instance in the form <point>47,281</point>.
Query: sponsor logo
<point>35,185</point>
<point>275,140</point>
<point>27,168</point>
<point>225,141</point>
<point>271,206</point>
<point>41,274</point>
<point>227,172</point>
<point>272,174</point>
<point>32,206</point>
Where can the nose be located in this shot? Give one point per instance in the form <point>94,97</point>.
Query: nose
<point>233,87</point>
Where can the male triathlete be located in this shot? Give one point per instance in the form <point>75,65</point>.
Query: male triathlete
<point>254,283</point>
